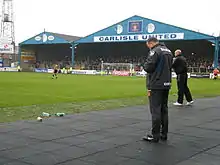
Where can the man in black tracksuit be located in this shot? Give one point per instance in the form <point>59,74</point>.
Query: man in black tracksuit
<point>158,67</point>
<point>180,67</point>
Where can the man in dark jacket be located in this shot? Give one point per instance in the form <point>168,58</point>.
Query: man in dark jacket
<point>158,67</point>
<point>180,67</point>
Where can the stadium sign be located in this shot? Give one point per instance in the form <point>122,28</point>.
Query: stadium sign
<point>139,37</point>
<point>5,40</point>
<point>6,48</point>
<point>41,70</point>
<point>199,75</point>
<point>50,70</point>
<point>89,72</point>
<point>141,73</point>
<point>8,69</point>
<point>121,73</point>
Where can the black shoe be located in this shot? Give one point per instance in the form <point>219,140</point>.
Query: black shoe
<point>163,137</point>
<point>150,138</point>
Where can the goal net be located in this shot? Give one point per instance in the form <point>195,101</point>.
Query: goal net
<point>117,68</point>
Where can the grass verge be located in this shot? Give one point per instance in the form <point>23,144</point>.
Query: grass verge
<point>27,95</point>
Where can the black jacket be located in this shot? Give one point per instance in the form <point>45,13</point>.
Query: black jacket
<point>159,67</point>
<point>180,65</point>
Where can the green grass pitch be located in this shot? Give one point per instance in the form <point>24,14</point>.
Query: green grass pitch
<point>27,95</point>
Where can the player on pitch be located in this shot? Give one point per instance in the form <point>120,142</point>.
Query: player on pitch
<point>55,72</point>
<point>158,66</point>
<point>215,73</point>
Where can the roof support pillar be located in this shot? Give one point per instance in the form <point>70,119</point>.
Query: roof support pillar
<point>216,55</point>
<point>19,54</point>
<point>74,47</point>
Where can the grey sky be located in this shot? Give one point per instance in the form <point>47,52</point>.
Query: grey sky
<point>83,17</point>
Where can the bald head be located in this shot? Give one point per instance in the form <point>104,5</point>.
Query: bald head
<point>178,52</point>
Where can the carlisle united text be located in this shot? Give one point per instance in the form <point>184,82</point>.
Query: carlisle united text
<point>166,36</point>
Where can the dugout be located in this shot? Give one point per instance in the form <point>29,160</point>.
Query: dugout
<point>127,38</point>
<point>48,47</point>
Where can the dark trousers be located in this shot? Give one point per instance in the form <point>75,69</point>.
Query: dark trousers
<point>159,110</point>
<point>183,88</point>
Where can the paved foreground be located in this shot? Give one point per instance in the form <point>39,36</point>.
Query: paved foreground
<point>114,138</point>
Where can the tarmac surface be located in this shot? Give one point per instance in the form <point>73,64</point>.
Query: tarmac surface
<point>113,137</point>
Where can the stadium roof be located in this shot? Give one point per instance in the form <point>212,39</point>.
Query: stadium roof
<point>137,28</point>
<point>50,38</point>
<point>66,37</point>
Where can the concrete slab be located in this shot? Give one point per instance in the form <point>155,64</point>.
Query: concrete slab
<point>77,162</point>
<point>43,159</point>
<point>214,151</point>
<point>17,163</point>
<point>4,160</point>
<point>19,153</point>
<point>104,158</point>
<point>113,137</point>
<point>202,159</point>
